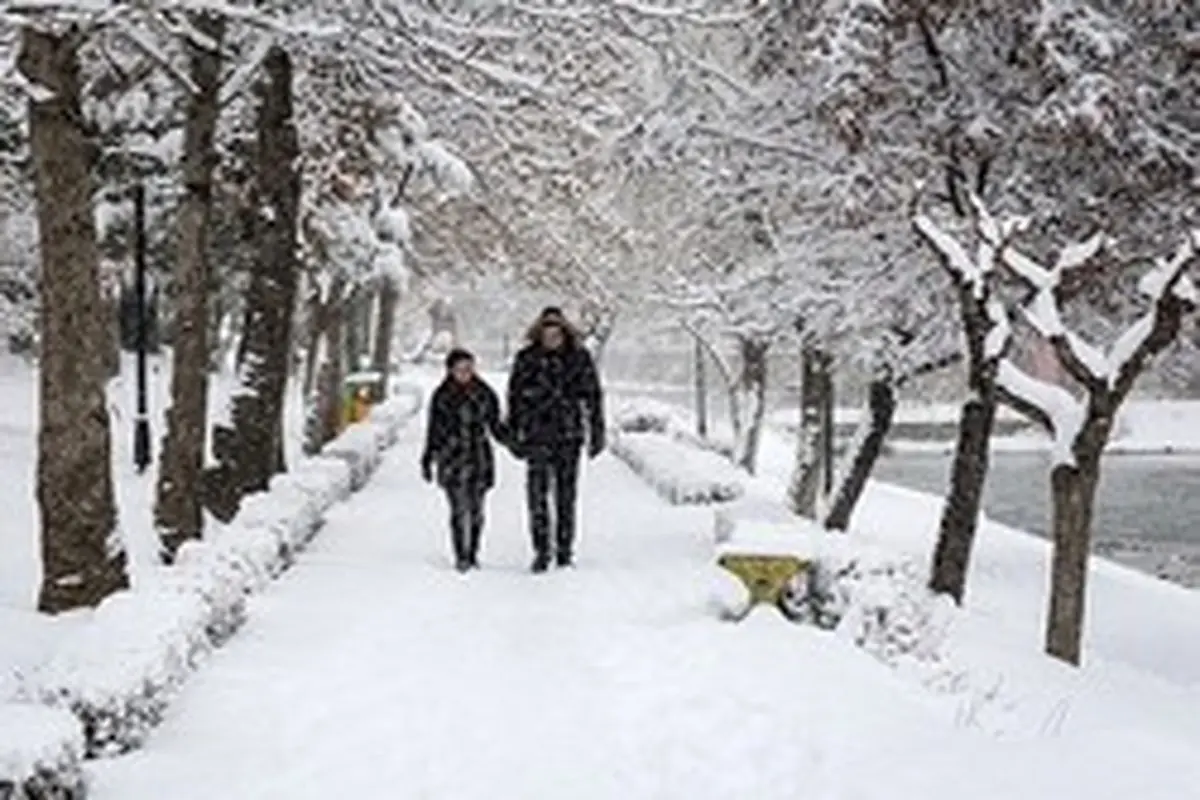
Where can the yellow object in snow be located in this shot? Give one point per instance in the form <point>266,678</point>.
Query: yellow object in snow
<point>358,406</point>
<point>766,577</point>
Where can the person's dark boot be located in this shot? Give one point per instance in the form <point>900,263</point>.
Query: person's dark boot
<point>564,559</point>
<point>541,563</point>
<point>462,565</point>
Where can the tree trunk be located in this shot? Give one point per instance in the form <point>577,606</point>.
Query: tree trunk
<point>960,515</point>
<point>752,396</point>
<point>248,453</point>
<point>83,560</point>
<point>385,330</point>
<point>178,513</point>
<point>351,328</point>
<point>333,375</point>
<point>1073,491</point>
<point>814,454</point>
<point>279,148</point>
<point>112,345</point>
<point>323,415</point>
<point>700,378</point>
<point>881,408</point>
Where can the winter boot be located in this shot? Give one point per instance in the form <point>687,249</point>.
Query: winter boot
<point>541,563</point>
<point>564,559</point>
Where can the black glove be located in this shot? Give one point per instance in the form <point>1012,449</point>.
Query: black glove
<point>427,470</point>
<point>596,443</point>
<point>516,445</point>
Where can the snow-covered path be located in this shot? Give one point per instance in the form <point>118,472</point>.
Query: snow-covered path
<point>374,670</point>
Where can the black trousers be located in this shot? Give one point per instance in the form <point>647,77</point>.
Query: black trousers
<point>553,471</point>
<point>466,519</point>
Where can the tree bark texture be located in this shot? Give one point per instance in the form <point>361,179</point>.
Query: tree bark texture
<point>178,513</point>
<point>814,455</point>
<point>1073,491</point>
<point>248,453</point>
<point>83,560</point>
<point>385,331</point>
<point>960,514</point>
<point>752,396</point>
<point>881,410</point>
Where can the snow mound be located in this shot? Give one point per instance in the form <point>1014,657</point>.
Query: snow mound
<point>680,473</point>
<point>360,446</point>
<point>118,672</point>
<point>747,508</point>
<point>41,753</point>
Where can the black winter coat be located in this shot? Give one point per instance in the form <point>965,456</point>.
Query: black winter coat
<point>554,399</point>
<point>456,440</point>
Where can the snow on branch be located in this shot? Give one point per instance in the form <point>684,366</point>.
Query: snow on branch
<point>1172,293</point>
<point>1167,286</point>
<point>1048,404</point>
<point>953,254</point>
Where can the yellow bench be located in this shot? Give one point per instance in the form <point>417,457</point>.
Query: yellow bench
<point>765,576</point>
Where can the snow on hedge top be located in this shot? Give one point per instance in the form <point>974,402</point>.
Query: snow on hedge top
<point>646,415</point>
<point>34,736</point>
<point>798,537</point>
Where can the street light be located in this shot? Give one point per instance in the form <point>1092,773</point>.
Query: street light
<point>141,428</point>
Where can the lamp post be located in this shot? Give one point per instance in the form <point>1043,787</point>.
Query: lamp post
<point>141,429</point>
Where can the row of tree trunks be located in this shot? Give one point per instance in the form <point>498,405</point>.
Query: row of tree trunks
<point>249,452</point>
<point>82,558</point>
<point>178,513</point>
<point>813,476</point>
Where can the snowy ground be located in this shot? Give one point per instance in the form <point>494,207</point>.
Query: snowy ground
<point>373,670</point>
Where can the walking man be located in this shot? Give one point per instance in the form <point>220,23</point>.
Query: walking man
<point>462,412</point>
<point>555,406</point>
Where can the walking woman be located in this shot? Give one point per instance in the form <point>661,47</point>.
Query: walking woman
<point>458,451</point>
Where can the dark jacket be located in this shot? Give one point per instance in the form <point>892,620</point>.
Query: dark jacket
<point>456,441</point>
<point>554,398</point>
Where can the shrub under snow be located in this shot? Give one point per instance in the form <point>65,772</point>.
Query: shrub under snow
<point>871,597</point>
<point>118,672</point>
<point>645,415</point>
<point>41,754</point>
<point>680,473</point>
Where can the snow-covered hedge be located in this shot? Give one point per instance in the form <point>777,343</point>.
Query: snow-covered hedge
<point>118,672</point>
<point>646,415</point>
<point>680,473</point>
<point>41,754</point>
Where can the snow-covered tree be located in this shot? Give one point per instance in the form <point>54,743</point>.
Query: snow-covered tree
<point>1080,425</point>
